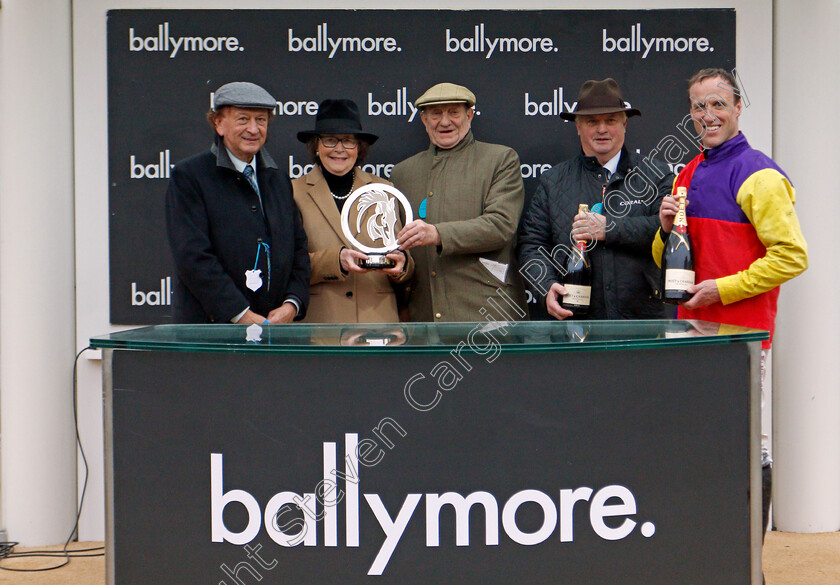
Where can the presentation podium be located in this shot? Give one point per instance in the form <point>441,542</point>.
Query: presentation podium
<point>542,453</point>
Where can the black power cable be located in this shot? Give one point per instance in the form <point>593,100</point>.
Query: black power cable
<point>7,548</point>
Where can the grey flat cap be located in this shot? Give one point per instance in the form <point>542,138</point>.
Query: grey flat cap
<point>243,94</point>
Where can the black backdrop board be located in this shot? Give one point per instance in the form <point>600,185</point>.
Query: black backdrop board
<point>163,64</point>
<point>674,448</point>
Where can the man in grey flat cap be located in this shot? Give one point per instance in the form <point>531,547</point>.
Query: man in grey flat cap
<point>234,229</point>
<point>468,196</point>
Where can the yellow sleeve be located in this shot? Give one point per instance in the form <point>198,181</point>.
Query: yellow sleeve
<point>767,199</point>
<point>660,238</point>
<point>658,247</point>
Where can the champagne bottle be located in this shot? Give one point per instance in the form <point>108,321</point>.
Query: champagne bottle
<point>677,261</point>
<point>578,278</point>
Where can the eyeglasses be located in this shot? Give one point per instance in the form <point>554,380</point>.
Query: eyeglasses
<point>332,142</point>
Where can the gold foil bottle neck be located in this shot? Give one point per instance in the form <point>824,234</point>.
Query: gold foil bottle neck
<point>680,196</point>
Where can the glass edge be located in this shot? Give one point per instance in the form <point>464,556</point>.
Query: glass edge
<point>100,343</point>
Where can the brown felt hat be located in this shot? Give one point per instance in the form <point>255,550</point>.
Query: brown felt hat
<point>600,97</point>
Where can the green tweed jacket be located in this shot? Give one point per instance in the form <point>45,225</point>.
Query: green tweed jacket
<point>474,195</point>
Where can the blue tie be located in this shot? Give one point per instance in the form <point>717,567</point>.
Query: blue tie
<point>249,174</point>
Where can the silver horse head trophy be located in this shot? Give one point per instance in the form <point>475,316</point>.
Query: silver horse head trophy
<point>377,202</point>
<point>382,224</point>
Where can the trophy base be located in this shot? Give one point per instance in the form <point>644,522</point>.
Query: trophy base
<point>377,262</point>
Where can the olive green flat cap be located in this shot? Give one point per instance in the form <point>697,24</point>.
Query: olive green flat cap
<point>446,93</point>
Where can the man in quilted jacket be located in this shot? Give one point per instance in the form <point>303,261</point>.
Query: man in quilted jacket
<point>623,195</point>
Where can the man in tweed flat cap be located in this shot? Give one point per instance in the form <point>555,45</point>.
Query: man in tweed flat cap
<point>234,229</point>
<point>468,196</point>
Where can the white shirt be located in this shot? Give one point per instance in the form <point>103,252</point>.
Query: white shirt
<point>241,164</point>
<point>612,164</point>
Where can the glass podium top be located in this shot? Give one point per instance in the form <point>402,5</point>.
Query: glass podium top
<point>524,336</point>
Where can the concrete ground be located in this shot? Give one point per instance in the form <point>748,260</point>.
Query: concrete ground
<point>802,559</point>
<point>789,559</point>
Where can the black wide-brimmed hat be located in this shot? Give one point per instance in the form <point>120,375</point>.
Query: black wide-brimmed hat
<point>338,117</point>
<point>600,97</point>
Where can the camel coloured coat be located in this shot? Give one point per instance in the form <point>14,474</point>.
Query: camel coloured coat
<point>336,297</point>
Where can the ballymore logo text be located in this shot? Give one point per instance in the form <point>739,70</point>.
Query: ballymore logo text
<point>321,42</point>
<point>159,169</point>
<point>399,106</point>
<point>553,107</point>
<point>480,42</point>
<point>164,42</point>
<point>162,296</point>
<point>610,511</point>
<point>635,42</point>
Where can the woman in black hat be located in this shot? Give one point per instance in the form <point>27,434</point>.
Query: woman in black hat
<point>340,290</point>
